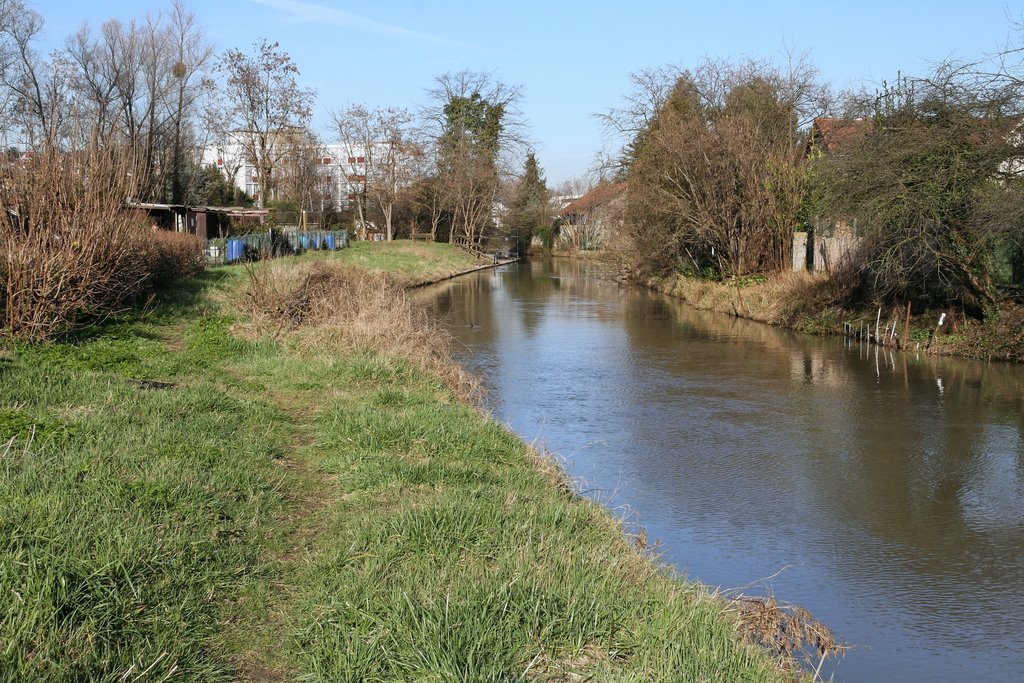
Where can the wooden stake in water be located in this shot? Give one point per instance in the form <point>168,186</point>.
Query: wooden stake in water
<point>878,320</point>
<point>906,329</point>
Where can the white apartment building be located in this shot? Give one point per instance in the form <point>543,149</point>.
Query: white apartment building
<point>343,170</point>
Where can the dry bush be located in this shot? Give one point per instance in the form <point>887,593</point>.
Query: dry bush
<point>330,305</point>
<point>174,256</point>
<point>69,252</point>
<point>789,632</point>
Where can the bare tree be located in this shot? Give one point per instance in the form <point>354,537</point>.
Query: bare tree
<point>355,129</point>
<point>139,84</point>
<point>431,191</point>
<point>267,107</point>
<point>38,88</point>
<point>192,54</point>
<point>304,177</point>
<point>394,161</point>
<point>716,175</point>
<point>479,133</point>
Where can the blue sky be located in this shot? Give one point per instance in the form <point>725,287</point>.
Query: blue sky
<point>573,59</point>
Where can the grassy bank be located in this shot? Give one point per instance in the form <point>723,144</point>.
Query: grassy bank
<point>810,303</point>
<point>250,482</point>
<point>404,261</point>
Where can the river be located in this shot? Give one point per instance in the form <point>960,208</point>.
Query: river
<point>883,491</point>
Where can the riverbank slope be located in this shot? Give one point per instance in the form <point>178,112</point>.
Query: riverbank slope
<point>274,474</point>
<point>811,303</point>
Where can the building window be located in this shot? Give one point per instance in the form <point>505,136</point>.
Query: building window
<point>351,160</point>
<point>361,160</point>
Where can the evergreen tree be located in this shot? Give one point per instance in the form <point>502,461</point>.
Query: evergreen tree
<point>530,210</point>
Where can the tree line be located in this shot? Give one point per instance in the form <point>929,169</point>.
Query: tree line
<point>156,89</point>
<point>724,161</point>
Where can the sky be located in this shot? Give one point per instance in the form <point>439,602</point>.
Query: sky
<point>572,59</point>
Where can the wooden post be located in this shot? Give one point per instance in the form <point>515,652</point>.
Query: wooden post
<point>906,329</point>
<point>877,321</point>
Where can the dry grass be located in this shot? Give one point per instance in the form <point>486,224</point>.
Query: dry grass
<point>790,633</point>
<point>786,299</point>
<point>325,306</point>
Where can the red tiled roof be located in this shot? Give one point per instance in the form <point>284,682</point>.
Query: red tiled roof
<point>602,194</point>
<point>838,134</point>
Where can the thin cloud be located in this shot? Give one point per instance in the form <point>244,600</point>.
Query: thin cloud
<point>312,13</point>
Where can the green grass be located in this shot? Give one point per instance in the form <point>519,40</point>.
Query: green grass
<point>278,515</point>
<point>457,559</point>
<point>412,262</point>
<point>129,517</point>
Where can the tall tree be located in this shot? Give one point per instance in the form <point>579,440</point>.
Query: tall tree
<point>934,185</point>
<point>716,173</point>
<point>394,162</point>
<point>138,84</point>
<point>191,54</point>
<point>38,89</point>
<point>355,129</point>
<point>267,107</point>
<point>531,205</point>
<point>477,122</point>
<point>382,157</point>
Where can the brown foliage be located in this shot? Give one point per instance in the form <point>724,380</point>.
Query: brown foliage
<point>68,250</point>
<point>324,306</point>
<point>174,256</point>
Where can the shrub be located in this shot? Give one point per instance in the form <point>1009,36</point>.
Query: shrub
<point>69,251</point>
<point>174,256</point>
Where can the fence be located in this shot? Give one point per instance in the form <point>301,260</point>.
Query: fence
<point>273,243</point>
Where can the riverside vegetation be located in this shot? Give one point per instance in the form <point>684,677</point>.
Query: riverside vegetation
<point>273,474</point>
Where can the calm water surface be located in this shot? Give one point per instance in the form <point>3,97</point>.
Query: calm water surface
<point>883,491</point>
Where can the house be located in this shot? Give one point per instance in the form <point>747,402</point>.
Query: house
<point>835,135</point>
<point>587,222</point>
<point>831,243</point>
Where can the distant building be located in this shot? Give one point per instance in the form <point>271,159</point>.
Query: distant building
<point>343,169</point>
<point>832,243</point>
<point>588,221</point>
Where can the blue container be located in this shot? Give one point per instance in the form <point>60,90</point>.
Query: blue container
<point>304,241</point>
<point>330,242</point>
<point>235,250</point>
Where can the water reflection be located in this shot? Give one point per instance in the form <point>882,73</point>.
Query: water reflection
<point>891,486</point>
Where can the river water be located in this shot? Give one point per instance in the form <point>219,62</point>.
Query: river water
<point>883,491</point>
